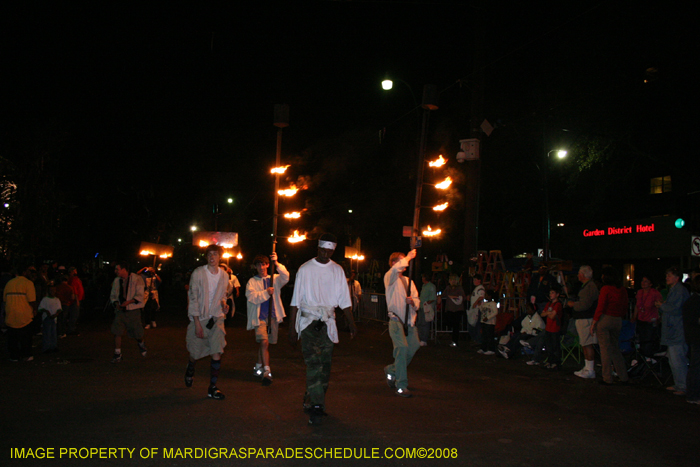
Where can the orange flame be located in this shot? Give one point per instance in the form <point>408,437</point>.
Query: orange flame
<point>296,238</point>
<point>358,258</point>
<point>239,256</point>
<point>444,184</point>
<point>226,255</point>
<point>441,207</point>
<point>439,162</point>
<point>279,170</point>
<point>431,233</point>
<point>203,243</point>
<point>146,252</point>
<point>291,191</point>
<point>166,255</point>
<point>292,215</point>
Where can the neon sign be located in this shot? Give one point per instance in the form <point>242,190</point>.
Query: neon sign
<point>638,228</point>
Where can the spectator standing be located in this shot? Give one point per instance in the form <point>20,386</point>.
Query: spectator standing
<point>583,310</point>
<point>613,304</point>
<point>691,328</point>
<point>74,312</point>
<point>646,317</point>
<point>489,311</point>
<point>426,312</point>
<point>66,294</point>
<point>49,308</point>
<point>151,281</point>
<point>473,318</point>
<point>672,334</point>
<point>453,311</point>
<point>19,297</point>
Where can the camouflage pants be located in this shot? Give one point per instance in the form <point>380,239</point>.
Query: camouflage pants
<point>317,349</point>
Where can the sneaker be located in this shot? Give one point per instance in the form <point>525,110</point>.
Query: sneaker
<point>153,324</point>
<point>525,344</point>
<point>693,402</point>
<point>480,352</point>
<point>532,362</point>
<point>189,378</point>
<point>14,360</point>
<point>403,392</point>
<point>148,326</point>
<point>258,371</point>
<point>390,381</point>
<point>489,352</point>
<point>214,393</point>
<point>679,393</point>
<point>671,388</point>
<point>423,344</point>
<point>316,414</point>
<point>28,359</point>
<point>504,352</point>
<point>267,378</point>
<point>660,354</point>
<point>585,374</point>
<point>143,349</point>
<point>117,358</point>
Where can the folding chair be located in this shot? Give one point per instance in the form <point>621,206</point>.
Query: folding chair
<point>570,347</point>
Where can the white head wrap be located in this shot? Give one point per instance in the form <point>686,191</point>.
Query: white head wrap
<point>327,245</point>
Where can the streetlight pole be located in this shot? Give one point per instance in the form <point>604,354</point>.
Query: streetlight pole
<point>560,154</point>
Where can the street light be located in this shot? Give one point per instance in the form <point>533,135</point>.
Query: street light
<point>561,153</point>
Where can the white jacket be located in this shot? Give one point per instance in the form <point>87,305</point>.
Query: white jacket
<point>256,293</point>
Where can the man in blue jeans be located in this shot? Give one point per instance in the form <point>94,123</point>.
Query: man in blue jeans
<point>672,330</point>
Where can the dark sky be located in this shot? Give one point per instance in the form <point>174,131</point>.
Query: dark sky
<point>149,116</point>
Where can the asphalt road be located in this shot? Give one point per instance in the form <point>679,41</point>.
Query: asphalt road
<point>467,408</point>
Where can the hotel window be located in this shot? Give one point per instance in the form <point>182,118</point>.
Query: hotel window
<point>661,185</point>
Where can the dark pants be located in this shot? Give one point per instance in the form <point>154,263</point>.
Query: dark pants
<point>149,311</point>
<point>552,342</point>
<point>317,349</point>
<point>19,342</point>
<point>488,337</point>
<point>453,319</point>
<point>692,391</point>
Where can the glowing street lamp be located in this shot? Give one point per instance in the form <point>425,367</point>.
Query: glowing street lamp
<point>193,228</point>
<point>560,155</point>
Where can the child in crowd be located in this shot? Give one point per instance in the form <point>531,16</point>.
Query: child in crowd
<point>531,328</point>
<point>50,307</point>
<point>489,311</point>
<point>553,313</point>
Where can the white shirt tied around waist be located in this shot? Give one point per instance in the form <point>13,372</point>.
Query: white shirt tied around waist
<point>308,314</point>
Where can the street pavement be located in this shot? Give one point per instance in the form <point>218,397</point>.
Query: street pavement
<point>468,409</point>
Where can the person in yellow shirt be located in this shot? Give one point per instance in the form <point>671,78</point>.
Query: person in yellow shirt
<point>20,308</point>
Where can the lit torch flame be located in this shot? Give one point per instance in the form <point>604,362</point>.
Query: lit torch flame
<point>165,255</point>
<point>227,245</point>
<point>279,170</point>
<point>239,256</point>
<point>296,238</point>
<point>358,258</point>
<point>439,162</point>
<point>226,255</point>
<point>292,215</point>
<point>203,243</point>
<point>146,253</point>
<point>291,191</point>
<point>431,233</point>
<point>440,207</point>
<point>444,184</point>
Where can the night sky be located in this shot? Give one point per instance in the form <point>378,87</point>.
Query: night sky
<point>138,121</point>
